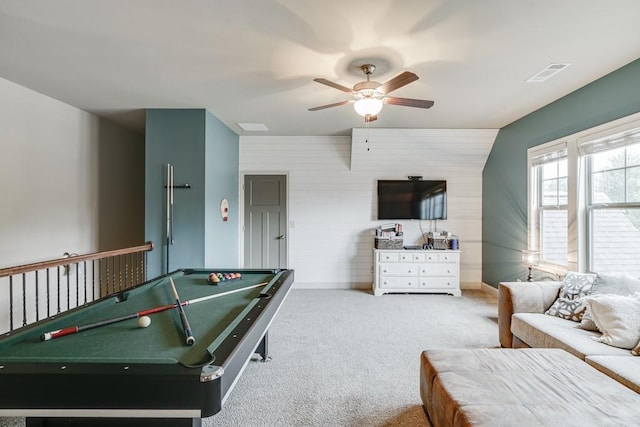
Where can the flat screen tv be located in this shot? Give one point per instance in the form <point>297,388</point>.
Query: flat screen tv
<point>412,199</point>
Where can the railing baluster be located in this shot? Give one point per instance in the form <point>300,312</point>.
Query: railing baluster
<point>77,286</point>
<point>24,299</point>
<point>84,267</point>
<point>37,296</point>
<point>68,286</point>
<point>108,276</point>
<point>11,303</point>
<point>58,286</point>
<point>126,270</point>
<point>48,295</point>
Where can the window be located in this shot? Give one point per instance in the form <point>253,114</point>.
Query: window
<point>550,206</point>
<point>584,200</point>
<point>613,202</point>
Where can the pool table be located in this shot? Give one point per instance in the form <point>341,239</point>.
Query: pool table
<point>124,374</point>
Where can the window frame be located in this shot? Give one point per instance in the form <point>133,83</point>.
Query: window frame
<point>591,206</point>
<point>579,215</point>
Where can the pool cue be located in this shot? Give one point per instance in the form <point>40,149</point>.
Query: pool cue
<point>168,206</point>
<point>190,340</point>
<point>79,328</point>
<point>75,329</point>
<point>171,207</point>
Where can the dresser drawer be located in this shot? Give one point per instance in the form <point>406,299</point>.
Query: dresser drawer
<point>437,282</point>
<point>438,269</point>
<point>388,256</point>
<point>407,283</point>
<point>412,256</point>
<point>442,257</point>
<point>398,269</point>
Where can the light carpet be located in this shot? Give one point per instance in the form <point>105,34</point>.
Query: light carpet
<point>347,358</point>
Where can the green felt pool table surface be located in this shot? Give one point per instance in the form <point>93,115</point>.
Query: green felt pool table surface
<point>103,369</point>
<point>161,342</point>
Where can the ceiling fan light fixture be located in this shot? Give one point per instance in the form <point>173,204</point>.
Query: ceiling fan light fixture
<point>368,106</point>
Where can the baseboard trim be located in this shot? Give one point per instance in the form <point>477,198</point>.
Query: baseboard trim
<point>489,289</point>
<point>367,286</point>
<point>332,285</point>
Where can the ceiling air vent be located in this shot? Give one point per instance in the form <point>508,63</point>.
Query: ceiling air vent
<point>547,72</point>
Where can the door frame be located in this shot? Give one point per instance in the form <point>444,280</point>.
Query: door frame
<point>241,213</point>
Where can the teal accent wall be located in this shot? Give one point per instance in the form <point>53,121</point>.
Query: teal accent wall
<point>504,185</point>
<point>222,156</point>
<point>189,139</point>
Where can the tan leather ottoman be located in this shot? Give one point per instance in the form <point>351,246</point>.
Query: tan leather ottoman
<point>523,387</point>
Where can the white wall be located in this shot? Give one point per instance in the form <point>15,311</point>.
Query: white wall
<point>332,194</point>
<point>54,160</point>
<point>48,171</point>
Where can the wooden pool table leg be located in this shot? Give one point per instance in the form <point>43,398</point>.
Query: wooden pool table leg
<point>263,348</point>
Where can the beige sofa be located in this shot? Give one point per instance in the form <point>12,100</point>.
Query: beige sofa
<point>522,324</point>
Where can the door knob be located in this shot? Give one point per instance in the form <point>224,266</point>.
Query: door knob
<point>281,237</point>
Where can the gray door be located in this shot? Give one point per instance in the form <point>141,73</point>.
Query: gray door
<point>265,221</point>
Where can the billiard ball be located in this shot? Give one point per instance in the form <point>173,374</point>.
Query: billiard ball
<point>144,321</point>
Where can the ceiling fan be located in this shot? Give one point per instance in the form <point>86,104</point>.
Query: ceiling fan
<point>369,95</point>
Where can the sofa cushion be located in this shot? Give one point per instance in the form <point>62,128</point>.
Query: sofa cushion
<point>623,369</point>
<point>534,387</point>
<point>569,303</point>
<point>542,331</point>
<point>618,284</point>
<point>618,317</point>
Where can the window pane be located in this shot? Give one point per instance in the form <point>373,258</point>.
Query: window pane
<point>550,192</point>
<point>633,184</point>
<point>607,160</point>
<point>562,168</point>
<point>554,237</point>
<point>550,170</point>
<point>608,187</point>
<point>616,241</point>
<point>562,191</point>
<point>633,155</point>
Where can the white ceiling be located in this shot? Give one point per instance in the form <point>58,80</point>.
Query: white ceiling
<point>254,60</point>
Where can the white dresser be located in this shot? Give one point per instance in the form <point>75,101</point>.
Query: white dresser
<point>424,271</point>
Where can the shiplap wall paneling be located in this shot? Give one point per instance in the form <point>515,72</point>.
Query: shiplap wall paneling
<point>332,196</point>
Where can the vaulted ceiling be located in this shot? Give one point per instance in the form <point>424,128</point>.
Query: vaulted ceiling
<point>254,61</point>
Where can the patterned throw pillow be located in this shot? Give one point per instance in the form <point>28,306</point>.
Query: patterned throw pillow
<point>636,350</point>
<point>569,303</point>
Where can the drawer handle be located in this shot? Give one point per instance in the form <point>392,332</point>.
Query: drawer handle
<point>384,271</point>
<point>448,271</point>
<point>409,271</point>
<point>409,283</point>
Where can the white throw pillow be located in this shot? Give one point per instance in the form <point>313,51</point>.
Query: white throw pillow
<point>618,317</point>
<point>619,284</point>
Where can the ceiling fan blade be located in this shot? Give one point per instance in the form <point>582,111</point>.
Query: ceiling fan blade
<point>397,82</point>
<point>370,118</point>
<point>408,102</point>
<point>336,104</point>
<point>333,85</point>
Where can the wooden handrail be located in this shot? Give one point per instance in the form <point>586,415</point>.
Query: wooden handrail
<point>10,271</point>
